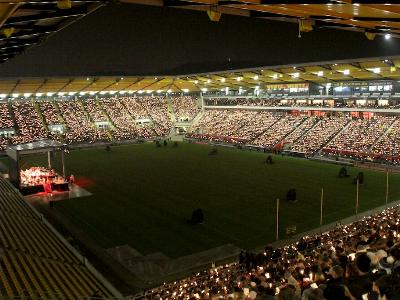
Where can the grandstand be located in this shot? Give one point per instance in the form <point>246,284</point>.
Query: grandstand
<point>307,130</point>
<point>337,264</point>
<point>349,127</point>
<point>235,144</point>
<point>36,262</point>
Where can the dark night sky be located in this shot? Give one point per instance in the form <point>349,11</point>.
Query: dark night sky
<point>123,39</point>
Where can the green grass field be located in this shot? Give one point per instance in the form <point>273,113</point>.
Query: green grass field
<point>143,195</point>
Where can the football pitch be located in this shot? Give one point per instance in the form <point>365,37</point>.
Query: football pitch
<point>143,195</point>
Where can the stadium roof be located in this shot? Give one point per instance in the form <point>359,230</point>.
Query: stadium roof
<point>34,147</point>
<point>26,23</point>
<point>320,73</point>
<point>373,16</point>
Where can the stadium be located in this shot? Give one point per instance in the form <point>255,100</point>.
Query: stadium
<point>200,150</point>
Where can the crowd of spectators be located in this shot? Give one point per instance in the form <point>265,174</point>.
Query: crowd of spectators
<point>49,113</point>
<point>79,126</point>
<point>241,125</point>
<point>95,112</point>
<point>301,130</point>
<point>315,138</point>
<point>185,108</point>
<point>29,123</point>
<point>157,109</point>
<point>311,101</point>
<point>5,123</point>
<point>257,123</point>
<point>241,101</point>
<point>337,134</point>
<point>146,126</point>
<point>5,117</point>
<point>389,144</point>
<point>124,124</point>
<point>277,132</point>
<point>267,129</point>
<point>87,121</point>
<point>357,261</point>
<point>51,117</point>
<point>223,123</point>
<point>360,134</point>
<point>81,121</point>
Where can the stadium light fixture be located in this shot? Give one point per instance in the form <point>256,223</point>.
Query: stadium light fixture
<point>196,82</point>
<point>296,75</point>
<point>185,90</point>
<point>223,79</point>
<point>112,92</point>
<point>346,72</point>
<point>3,95</point>
<point>39,94</point>
<point>320,73</point>
<point>204,90</point>
<point>103,92</point>
<point>256,77</point>
<point>208,80</point>
<point>59,94</point>
<point>71,93</point>
<point>388,36</point>
<point>49,94</point>
<point>140,92</point>
<point>15,95</point>
<point>122,92</point>
<point>159,91</point>
<point>26,95</point>
<point>82,93</point>
<point>376,70</point>
<point>239,78</point>
<point>275,76</point>
<point>131,92</point>
<point>149,91</point>
<point>92,93</point>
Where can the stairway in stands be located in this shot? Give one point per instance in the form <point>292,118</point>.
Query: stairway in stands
<point>41,117</point>
<point>59,114</point>
<point>12,115</point>
<point>100,108</point>
<point>98,103</point>
<point>61,119</point>
<point>195,120</point>
<point>92,122</point>
<point>170,109</point>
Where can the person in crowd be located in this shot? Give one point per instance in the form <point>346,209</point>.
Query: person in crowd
<point>349,262</point>
<point>71,179</point>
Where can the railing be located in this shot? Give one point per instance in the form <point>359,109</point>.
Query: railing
<point>25,295</point>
